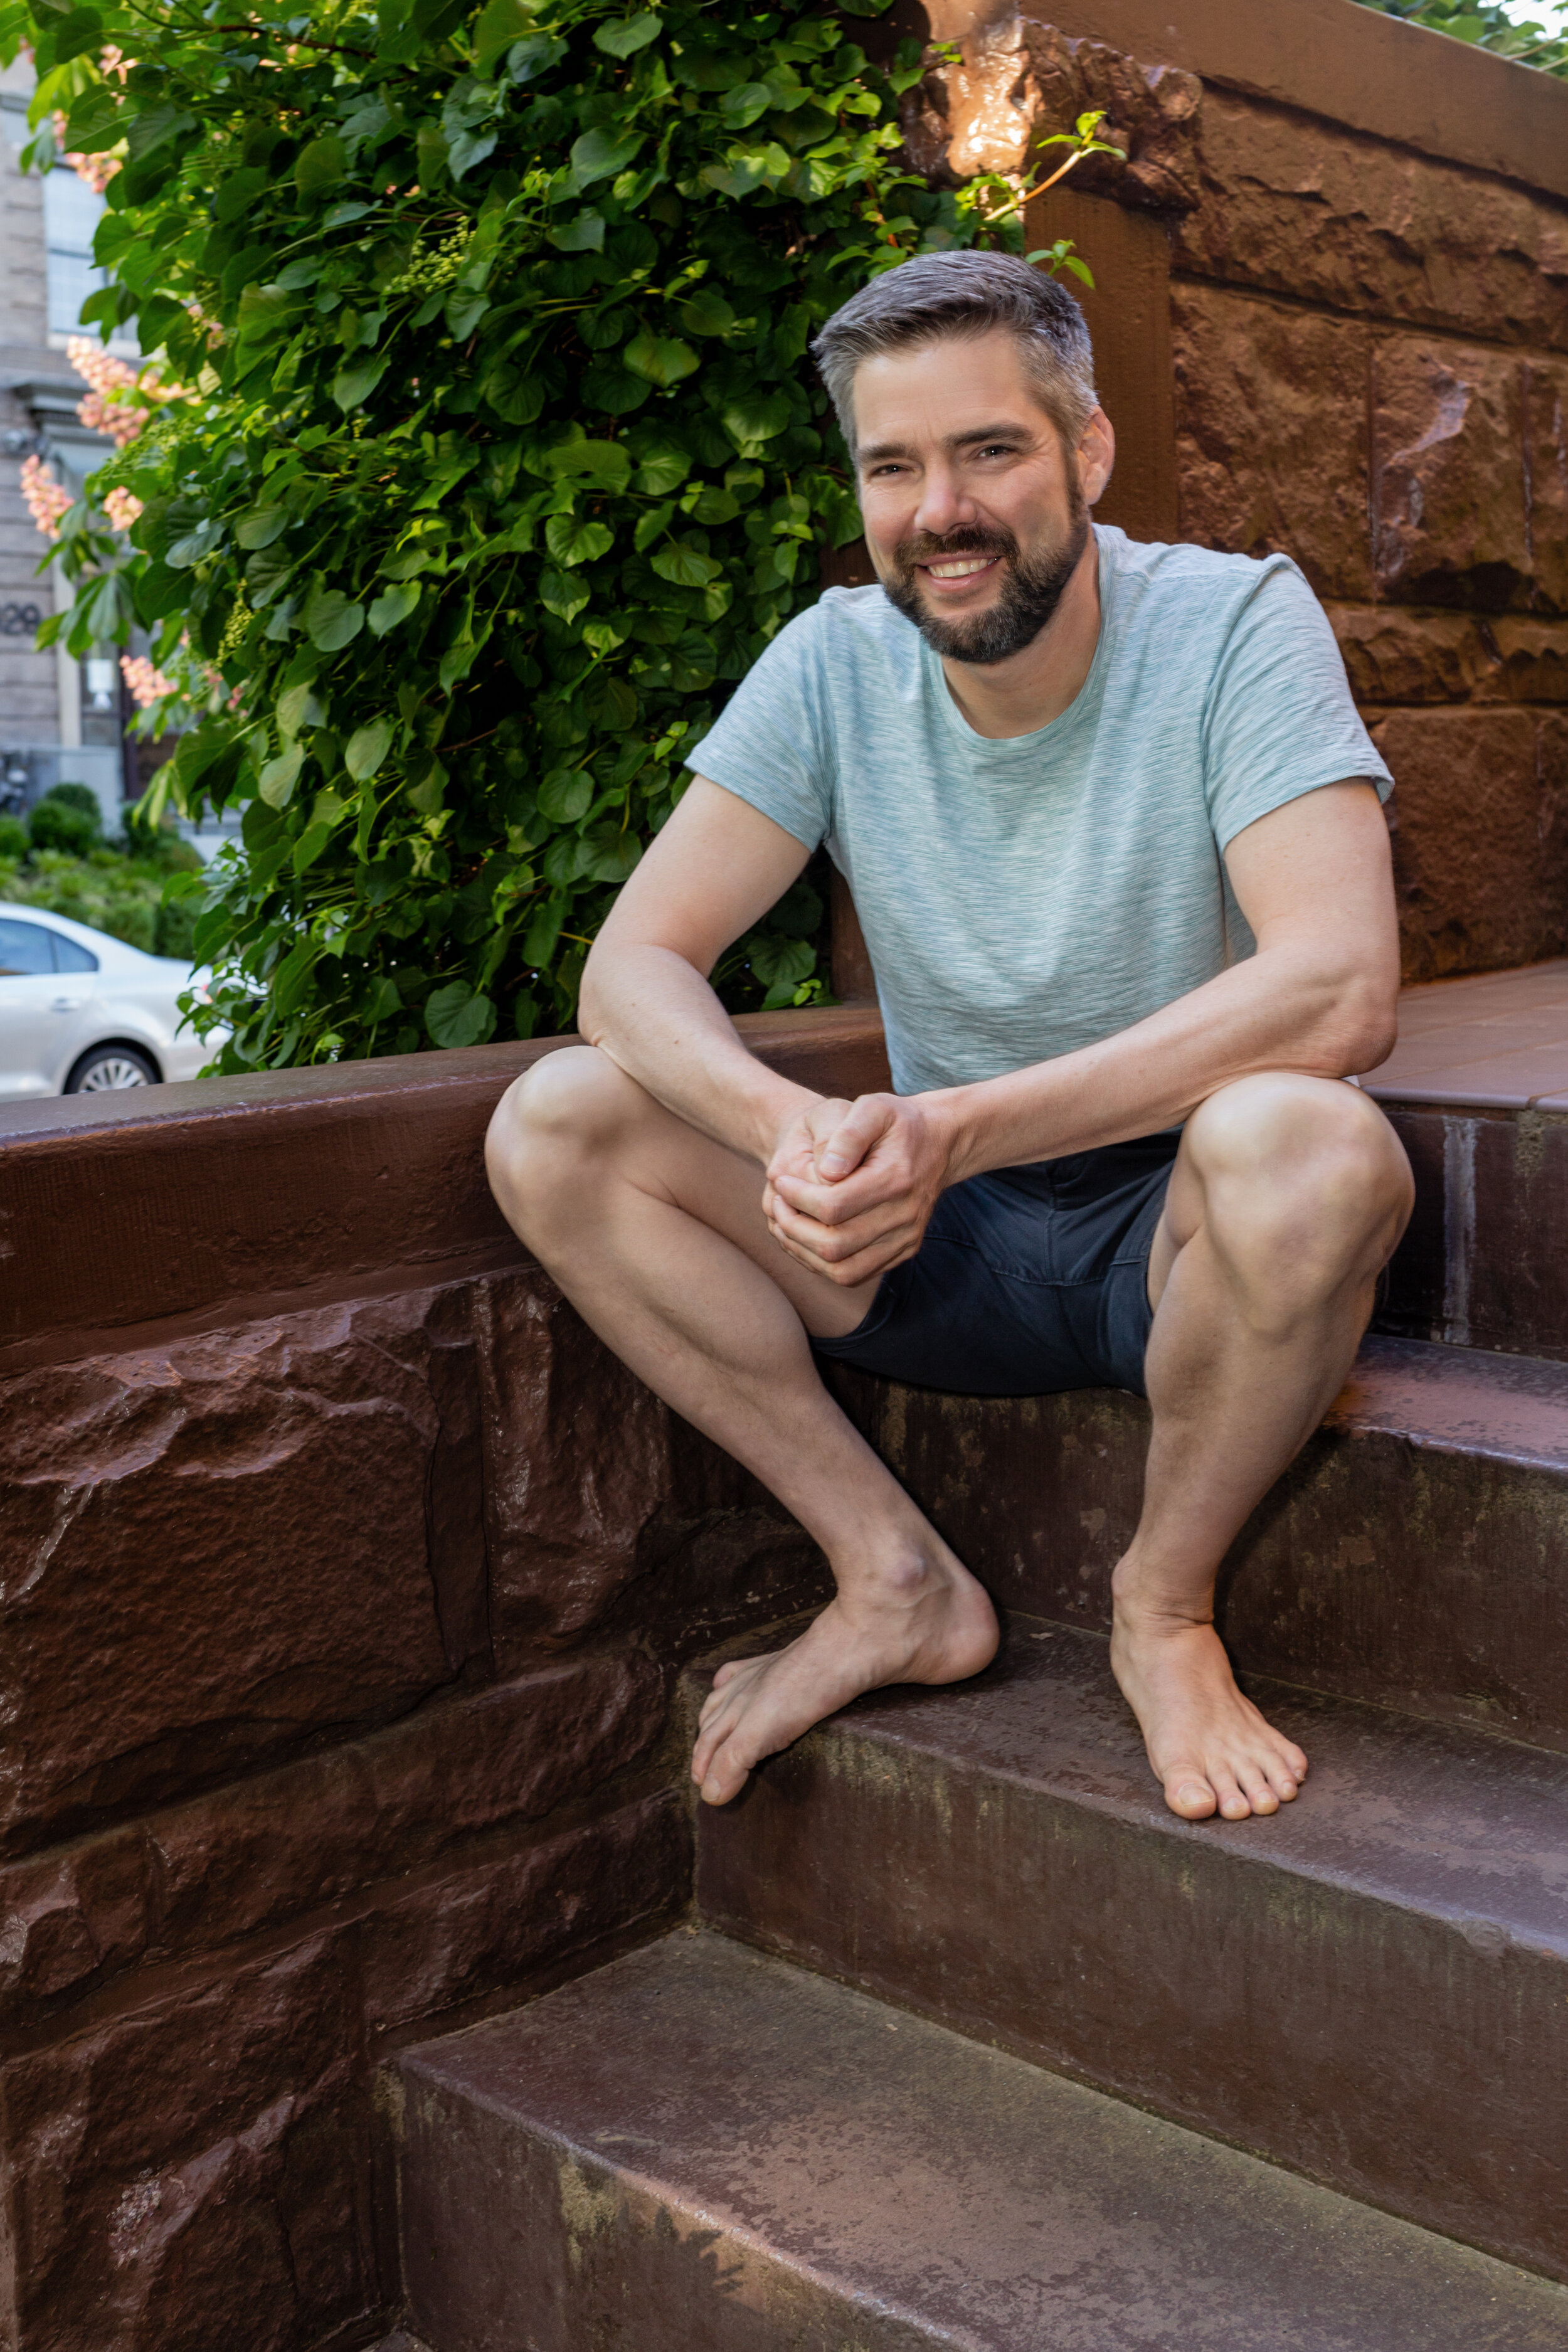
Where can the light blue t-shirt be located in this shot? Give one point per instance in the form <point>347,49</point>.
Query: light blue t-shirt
<point>1023,898</point>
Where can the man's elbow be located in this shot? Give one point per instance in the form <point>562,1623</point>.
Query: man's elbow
<point>1364,1027</point>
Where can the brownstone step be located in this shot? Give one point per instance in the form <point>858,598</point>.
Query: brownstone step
<point>1415,1555</point>
<point>700,2150</point>
<point>1371,1985</point>
<point>1477,1089</point>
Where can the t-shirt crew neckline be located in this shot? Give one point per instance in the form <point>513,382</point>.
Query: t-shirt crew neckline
<point>1008,749</point>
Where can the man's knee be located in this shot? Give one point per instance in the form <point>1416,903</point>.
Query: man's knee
<point>558,1123</point>
<point>1306,1173</point>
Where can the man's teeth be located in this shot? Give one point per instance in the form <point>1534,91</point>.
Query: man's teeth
<point>960,569</point>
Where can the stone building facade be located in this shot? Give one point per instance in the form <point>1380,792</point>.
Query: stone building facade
<point>61,719</point>
<point>1352,236</point>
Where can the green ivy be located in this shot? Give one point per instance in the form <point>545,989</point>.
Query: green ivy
<point>1488,27</point>
<point>500,458</point>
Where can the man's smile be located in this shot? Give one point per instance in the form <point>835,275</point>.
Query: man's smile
<point>959,567</point>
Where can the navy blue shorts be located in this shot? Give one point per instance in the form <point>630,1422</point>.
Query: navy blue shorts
<point>1028,1280</point>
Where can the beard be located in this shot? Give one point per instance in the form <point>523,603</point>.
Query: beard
<point>1032,588</point>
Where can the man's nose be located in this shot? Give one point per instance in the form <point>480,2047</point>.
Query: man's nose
<point>943,505</point>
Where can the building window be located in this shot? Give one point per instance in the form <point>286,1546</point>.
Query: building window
<point>71,213</point>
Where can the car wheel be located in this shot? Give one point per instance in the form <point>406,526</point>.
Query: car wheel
<point>107,1068</point>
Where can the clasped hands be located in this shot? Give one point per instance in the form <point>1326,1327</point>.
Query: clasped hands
<point>850,1186</point>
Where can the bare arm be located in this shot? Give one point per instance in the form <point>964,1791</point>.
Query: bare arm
<point>1314,881</point>
<point>716,869</point>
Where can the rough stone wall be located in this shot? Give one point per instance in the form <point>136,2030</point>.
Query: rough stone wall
<point>1371,373</point>
<point>336,1651</point>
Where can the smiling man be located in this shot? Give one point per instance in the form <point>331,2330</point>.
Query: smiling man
<point>1113,829</point>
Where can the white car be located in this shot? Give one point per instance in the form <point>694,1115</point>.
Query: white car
<point>80,1012</point>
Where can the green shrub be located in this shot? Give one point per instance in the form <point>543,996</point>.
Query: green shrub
<point>124,896</point>
<point>13,838</point>
<point>56,824</point>
<point>79,796</point>
<point>507,460</point>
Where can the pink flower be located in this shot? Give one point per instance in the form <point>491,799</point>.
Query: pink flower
<point>147,685</point>
<point>49,501</point>
<point>122,507</point>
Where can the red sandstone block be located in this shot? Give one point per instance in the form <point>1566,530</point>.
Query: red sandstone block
<point>1448,474</point>
<point>602,1508</point>
<point>203,1875</point>
<point>1304,207</point>
<point>192,2174</point>
<point>1533,657</point>
<point>1481,840</point>
<point>1391,655</point>
<point>465,1936</point>
<point>214,1550</point>
<point>1271,442</point>
<point>1546,456</point>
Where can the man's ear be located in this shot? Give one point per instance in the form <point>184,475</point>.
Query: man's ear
<point>1096,456</point>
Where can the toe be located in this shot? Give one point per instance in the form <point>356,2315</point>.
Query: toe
<point>1231,1798</point>
<point>1259,1795</point>
<point>1188,1793</point>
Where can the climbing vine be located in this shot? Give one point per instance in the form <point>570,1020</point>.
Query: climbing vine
<point>480,455</point>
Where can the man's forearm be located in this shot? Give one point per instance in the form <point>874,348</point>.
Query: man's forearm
<point>1274,1011</point>
<point>658,1020</point>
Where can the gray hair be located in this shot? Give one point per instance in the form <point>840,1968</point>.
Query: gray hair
<point>964,294</point>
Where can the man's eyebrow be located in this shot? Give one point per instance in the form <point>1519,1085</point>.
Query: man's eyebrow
<point>1011,431</point>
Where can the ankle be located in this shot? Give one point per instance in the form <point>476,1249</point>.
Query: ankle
<point>1147,1604</point>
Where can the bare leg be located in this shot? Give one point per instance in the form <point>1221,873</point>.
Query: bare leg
<point>1288,1197</point>
<point>657,1237</point>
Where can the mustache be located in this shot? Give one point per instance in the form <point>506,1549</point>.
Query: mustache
<point>928,547</point>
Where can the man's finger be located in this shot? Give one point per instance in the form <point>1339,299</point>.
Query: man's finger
<point>854,1136</point>
<point>836,1204</point>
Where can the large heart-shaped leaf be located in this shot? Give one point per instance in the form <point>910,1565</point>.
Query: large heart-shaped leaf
<point>566,796</point>
<point>664,465</point>
<point>560,593</point>
<point>774,958</point>
<point>263,309</point>
<point>531,56</point>
<point>394,604</point>
<point>597,153</point>
<point>185,553</point>
<point>741,107</point>
<point>454,1015</point>
<point>262,526</point>
<point>501,21</point>
<point>276,781</point>
<point>605,462</point>
<point>298,706</point>
<point>354,384</point>
<point>607,385</point>
<point>97,119</point>
<point>332,621</point>
<point>753,416</point>
<point>584,234</point>
<point>685,566</point>
<point>367,747</point>
<point>624,40</point>
<point>707,313</point>
<point>662,360</point>
<point>571,541</point>
<point>320,165</point>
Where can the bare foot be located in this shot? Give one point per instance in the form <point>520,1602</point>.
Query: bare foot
<point>1211,1749</point>
<point>923,1621</point>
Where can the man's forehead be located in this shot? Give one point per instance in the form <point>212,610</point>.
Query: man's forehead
<point>952,390</point>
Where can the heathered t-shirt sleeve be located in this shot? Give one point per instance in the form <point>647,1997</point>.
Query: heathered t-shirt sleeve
<point>1279,721</point>
<point>769,744</point>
